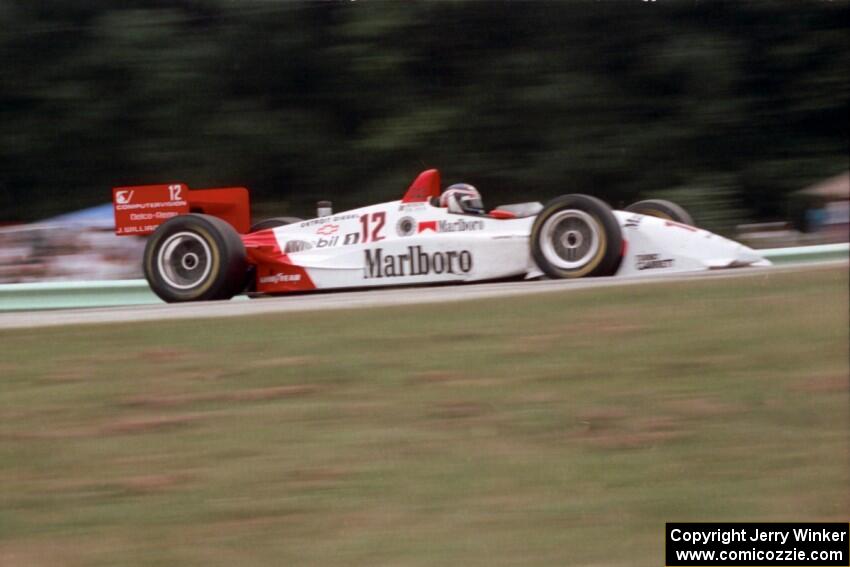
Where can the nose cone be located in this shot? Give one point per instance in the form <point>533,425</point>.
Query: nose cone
<point>749,257</point>
<point>728,254</point>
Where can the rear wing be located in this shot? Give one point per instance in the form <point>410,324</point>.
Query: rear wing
<point>139,210</point>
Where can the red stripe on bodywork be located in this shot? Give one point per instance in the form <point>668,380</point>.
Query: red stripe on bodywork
<point>276,273</point>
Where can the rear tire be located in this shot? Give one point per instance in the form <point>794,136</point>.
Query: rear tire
<point>576,236</point>
<point>195,258</point>
<point>662,209</point>
<point>275,222</point>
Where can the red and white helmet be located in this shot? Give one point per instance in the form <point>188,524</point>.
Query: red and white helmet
<point>462,198</point>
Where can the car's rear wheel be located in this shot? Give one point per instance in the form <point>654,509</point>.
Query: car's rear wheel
<point>274,222</point>
<point>194,258</point>
<point>662,209</point>
<point>576,236</point>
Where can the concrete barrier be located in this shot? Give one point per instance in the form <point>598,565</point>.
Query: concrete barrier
<point>807,253</point>
<point>63,295</point>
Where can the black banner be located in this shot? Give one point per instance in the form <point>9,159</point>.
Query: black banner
<point>757,544</point>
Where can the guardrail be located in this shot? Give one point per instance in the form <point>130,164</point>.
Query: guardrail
<point>63,295</point>
<point>75,294</point>
<point>807,253</point>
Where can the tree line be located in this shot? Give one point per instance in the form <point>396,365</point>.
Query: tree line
<point>726,107</point>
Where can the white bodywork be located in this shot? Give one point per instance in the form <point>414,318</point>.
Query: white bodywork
<point>408,243</point>
<point>656,245</point>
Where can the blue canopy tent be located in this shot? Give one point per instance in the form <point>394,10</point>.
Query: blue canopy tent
<point>100,216</point>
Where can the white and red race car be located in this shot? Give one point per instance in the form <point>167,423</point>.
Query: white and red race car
<point>203,247</point>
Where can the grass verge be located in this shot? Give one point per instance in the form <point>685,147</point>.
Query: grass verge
<point>543,430</point>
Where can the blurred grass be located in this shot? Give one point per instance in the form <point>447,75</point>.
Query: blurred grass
<point>542,430</point>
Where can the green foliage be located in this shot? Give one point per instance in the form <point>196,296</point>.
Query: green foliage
<point>350,100</point>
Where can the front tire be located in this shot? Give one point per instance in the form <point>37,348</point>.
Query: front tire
<point>662,209</point>
<point>576,236</point>
<point>195,258</point>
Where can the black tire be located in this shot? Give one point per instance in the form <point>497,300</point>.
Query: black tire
<point>663,210</point>
<point>275,222</point>
<point>195,258</point>
<point>576,236</point>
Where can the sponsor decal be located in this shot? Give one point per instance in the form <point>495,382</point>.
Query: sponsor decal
<point>280,278</point>
<point>416,262</point>
<point>405,226</point>
<point>156,205</point>
<point>316,243</point>
<point>293,246</point>
<point>633,221</point>
<point>160,215</point>
<point>326,242</point>
<point>428,225</point>
<point>143,229</point>
<point>326,220</point>
<point>302,245</point>
<point>459,225</point>
<point>328,229</point>
<point>411,206</point>
<point>296,246</point>
<point>124,198</point>
<point>652,262</point>
<point>139,210</point>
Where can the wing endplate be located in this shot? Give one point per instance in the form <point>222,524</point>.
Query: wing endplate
<point>140,209</point>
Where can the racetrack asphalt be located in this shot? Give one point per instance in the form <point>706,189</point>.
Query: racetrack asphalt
<point>362,298</point>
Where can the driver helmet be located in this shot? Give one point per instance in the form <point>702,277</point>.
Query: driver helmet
<point>462,198</point>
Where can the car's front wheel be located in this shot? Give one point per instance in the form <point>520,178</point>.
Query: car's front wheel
<point>576,236</point>
<point>662,209</point>
<point>195,257</point>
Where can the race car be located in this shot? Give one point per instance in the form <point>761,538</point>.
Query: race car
<point>203,247</point>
